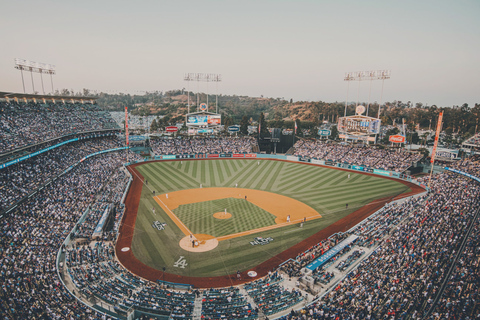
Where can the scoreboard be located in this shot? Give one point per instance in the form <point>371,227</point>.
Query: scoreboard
<point>203,120</point>
<point>359,125</point>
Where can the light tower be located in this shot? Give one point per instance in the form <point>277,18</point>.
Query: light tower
<point>22,64</point>
<point>203,77</point>
<point>366,75</point>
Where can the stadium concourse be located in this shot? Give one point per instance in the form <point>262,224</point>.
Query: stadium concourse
<point>415,258</point>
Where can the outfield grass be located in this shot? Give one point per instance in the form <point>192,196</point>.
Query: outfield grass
<point>324,189</point>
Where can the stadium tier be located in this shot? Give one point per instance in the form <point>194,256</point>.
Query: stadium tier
<point>395,160</point>
<point>24,124</point>
<point>413,258</point>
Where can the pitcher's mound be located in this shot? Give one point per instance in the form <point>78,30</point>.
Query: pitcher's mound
<point>203,243</point>
<point>222,215</point>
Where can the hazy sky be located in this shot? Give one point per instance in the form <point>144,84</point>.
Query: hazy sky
<point>289,49</point>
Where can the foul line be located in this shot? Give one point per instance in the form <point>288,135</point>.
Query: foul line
<point>187,231</point>
<point>175,219</point>
<point>275,226</point>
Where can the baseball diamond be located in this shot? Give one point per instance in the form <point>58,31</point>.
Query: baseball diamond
<point>259,198</point>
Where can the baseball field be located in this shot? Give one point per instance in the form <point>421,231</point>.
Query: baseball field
<point>212,218</point>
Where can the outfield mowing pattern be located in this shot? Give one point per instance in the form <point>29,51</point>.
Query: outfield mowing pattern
<point>198,217</point>
<point>324,189</point>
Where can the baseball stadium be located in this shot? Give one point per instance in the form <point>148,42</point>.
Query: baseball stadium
<point>269,183</point>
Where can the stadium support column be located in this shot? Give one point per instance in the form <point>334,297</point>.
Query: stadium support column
<point>33,84</point>
<point>188,96</point>
<point>126,129</point>
<point>41,78</point>
<point>207,79</point>
<point>21,71</point>
<point>51,81</point>
<point>216,97</point>
<point>345,111</point>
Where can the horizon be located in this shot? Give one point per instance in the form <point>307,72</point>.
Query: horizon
<point>278,49</point>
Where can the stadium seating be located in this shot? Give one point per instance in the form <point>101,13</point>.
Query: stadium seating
<point>207,145</point>
<point>23,124</point>
<point>386,159</point>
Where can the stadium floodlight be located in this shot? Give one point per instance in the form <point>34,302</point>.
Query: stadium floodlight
<point>203,77</point>
<point>367,75</point>
<point>27,65</point>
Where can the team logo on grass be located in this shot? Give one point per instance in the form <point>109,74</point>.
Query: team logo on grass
<point>181,263</point>
<point>159,225</point>
<point>261,241</point>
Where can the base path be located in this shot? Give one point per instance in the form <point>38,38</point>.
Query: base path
<point>129,261</point>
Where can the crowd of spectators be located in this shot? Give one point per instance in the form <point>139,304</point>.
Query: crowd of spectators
<point>32,234</point>
<point>203,145</point>
<point>108,200</point>
<point>388,159</point>
<point>405,273</point>
<point>462,293</point>
<point>96,273</point>
<point>226,303</point>
<point>272,297</point>
<point>23,124</point>
<point>19,179</point>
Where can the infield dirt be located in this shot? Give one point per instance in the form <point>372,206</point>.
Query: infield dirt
<point>280,206</point>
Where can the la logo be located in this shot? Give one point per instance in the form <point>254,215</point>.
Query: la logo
<point>181,263</point>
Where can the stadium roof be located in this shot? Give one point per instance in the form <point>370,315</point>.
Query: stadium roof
<point>26,96</point>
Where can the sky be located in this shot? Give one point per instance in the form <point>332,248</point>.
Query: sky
<point>296,50</point>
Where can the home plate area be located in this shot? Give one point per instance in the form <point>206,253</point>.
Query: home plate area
<point>198,243</point>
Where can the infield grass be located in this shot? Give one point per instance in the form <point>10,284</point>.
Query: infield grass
<point>198,217</point>
<point>324,189</point>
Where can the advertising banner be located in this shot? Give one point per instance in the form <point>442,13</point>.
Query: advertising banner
<point>205,131</point>
<point>292,158</point>
<point>213,155</point>
<point>171,129</point>
<point>396,138</point>
<point>463,173</point>
<point>238,155</point>
<point>359,168</point>
<point>168,157</point>
<point>250,155</point>
<point>233,128</point>
<point>185,156</point>
<point>324,133</point>
<point>214,119</point>
<point>382,172</point>
<point>316,161</point>
<point>226,155</point>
